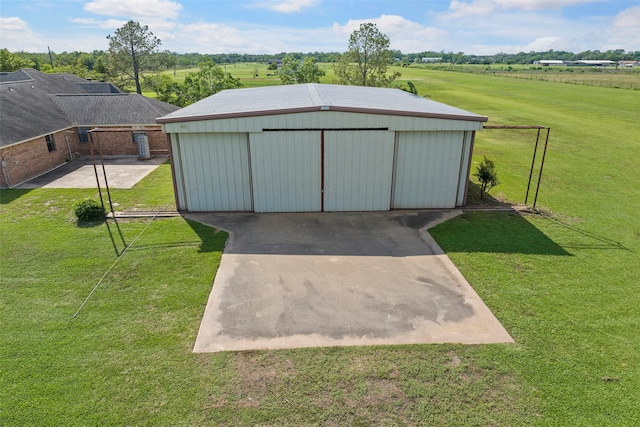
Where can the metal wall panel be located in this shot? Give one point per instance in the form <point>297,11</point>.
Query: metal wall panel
<point>427,169</point>
<point>215,169</point>
<point>285,169</point>
<point>358,167</point>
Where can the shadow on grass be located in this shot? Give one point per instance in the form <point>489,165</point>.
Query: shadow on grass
<point>494,232</point>
<point>212,240</point>
<point>114,239</point>
<point>601,242</point>
<point>7,195</point>
<point>474,198</point>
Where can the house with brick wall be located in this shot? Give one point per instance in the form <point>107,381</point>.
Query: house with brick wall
<point>47,120</point>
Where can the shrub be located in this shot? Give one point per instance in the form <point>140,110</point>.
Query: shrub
<point>88,210</point>
<point>487,176</point>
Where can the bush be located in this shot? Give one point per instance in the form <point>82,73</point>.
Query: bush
<point>487,176</point>
<point>88,210</point>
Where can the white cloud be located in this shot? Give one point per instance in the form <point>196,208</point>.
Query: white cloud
<point>163,9</point>
<point>543,44</point>
<point>623,31</point>
<point>16,35</point>
<point>159,15</point>
<point>404,34</point>
<point>110,24</point>
<point>461,8</point>
<point>540,4</point>
<point>217,38</point>
<point>458,9</point>
<point>284,6</point>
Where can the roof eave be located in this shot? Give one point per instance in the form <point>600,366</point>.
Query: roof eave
<point>470,118</point>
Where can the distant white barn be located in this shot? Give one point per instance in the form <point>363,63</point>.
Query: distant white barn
<point>549,62</point>
<point>315,147</point>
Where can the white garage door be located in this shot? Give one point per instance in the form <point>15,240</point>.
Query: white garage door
<point>427,169</point>
<point>215,171</point>
<point>285,169</point>
<point>358,167</point>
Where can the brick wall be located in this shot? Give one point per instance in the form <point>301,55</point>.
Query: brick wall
<point>32,158</point>
<point>119,141</point>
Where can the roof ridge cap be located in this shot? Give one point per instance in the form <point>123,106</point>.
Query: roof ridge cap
<point>146,100</point>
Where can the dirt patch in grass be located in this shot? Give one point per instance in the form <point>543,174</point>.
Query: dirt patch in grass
<point>364,387</point>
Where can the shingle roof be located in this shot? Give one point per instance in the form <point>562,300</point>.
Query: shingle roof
<point>109,109</point>
<point>99,87</point>
<point>34,104</point>
<point>315,97</point>
<point>14,76</point>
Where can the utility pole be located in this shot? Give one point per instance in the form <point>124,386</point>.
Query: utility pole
<point>50,57</point>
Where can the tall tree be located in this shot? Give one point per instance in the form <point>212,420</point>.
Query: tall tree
<point>366,61</point>
<point>300,71</point>
<point>132,50</point>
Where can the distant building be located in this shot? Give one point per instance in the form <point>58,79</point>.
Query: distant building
<point>431,60</point>
<point>577,63</point>
<point>629,63</point>
<point>590,63</point>
<point>548,62</point>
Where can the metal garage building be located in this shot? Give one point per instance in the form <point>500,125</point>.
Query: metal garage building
<point>316,147</point>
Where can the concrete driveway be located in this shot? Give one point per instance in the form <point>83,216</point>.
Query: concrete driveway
<point>338,279</point>
<point>122,172</point>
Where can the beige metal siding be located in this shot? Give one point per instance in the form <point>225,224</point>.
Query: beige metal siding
<point>286,172</point>
<point>321,120</point>
<point>215,169</point>
<point>427,169</point>
<point>358,169</point>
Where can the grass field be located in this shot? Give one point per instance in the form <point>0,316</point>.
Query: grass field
<point>564,284</point>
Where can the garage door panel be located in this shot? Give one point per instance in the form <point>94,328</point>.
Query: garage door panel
<point>215,168</point>
<point>358,167</point>
<point>426,169</point>
<point>285,167</point>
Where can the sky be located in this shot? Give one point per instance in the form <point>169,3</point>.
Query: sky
<point>481,27</point>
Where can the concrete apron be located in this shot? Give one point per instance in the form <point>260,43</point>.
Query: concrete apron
<point>122,172</point>
<point>338,279</point>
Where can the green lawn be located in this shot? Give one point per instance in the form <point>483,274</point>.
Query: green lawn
<point>564,284</point>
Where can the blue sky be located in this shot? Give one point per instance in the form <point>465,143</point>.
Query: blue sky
<point>271,26</point>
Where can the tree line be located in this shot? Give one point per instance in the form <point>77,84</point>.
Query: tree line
<point>134,59</point>
<point>94,64</point>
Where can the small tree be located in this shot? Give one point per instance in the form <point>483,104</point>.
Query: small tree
<point>487,175</point>
<point>210,79</point>
<point>295,71</point>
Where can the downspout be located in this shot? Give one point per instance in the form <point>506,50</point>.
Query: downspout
<point>66,138</point>
<point>173,174</point>
<point>466,184</point>
<point>5,172</point>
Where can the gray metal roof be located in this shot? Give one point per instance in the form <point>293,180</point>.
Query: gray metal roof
<point>33,104</point>
<point>316,97</point>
